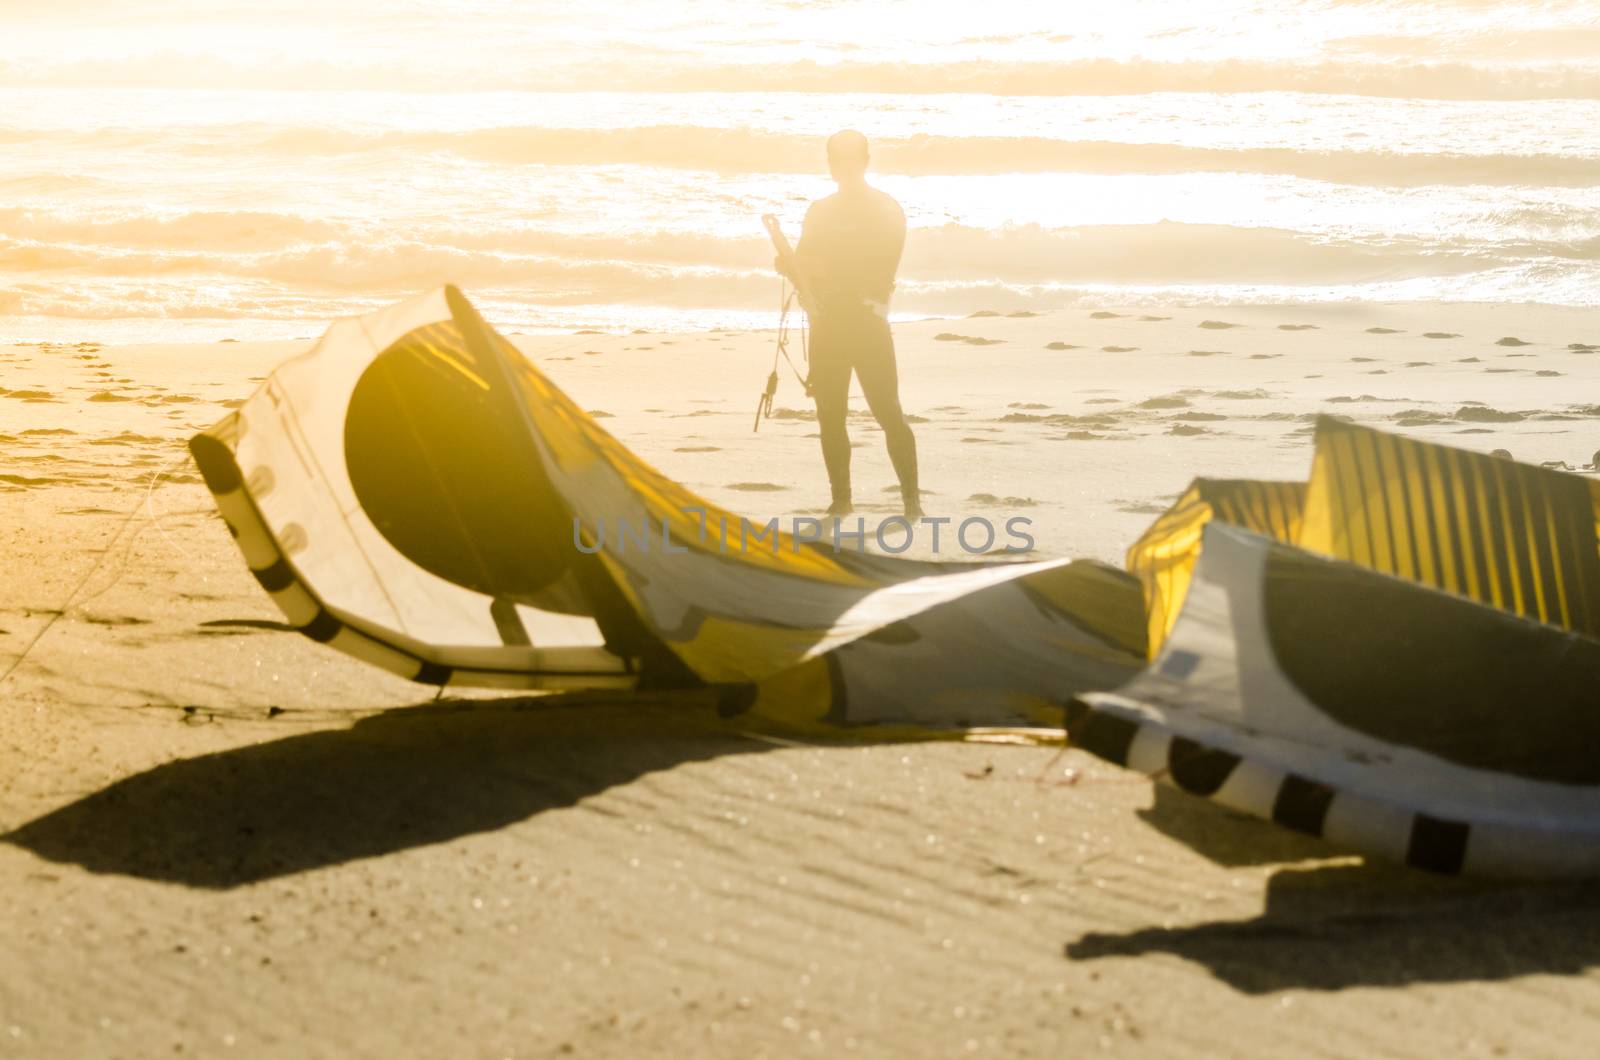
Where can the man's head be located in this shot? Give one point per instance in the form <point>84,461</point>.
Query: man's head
<point>847,156</point>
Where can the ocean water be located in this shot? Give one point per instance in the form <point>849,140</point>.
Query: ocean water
<point>251,169</point>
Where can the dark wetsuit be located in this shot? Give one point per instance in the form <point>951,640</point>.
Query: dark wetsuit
<point>850,248</point>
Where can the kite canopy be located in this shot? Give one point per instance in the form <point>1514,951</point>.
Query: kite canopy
<point>413,492</point>
<point>1416,681</point>
<point>1400,655</point>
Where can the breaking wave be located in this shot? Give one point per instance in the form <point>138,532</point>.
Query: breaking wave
<point>945,265</point>
<point>1410,76</point>
<point>750,151</point>
<point>1107,77</point>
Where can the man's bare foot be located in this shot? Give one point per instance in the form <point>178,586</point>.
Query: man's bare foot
<point>838,508</point>
<point>913,504</point>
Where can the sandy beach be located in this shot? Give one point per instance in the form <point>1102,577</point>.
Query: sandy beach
<point>221,837</point>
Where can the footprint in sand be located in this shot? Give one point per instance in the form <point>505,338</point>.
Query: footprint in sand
<point>1118,349</point>
<point>984,313</point>
<point>1022,313</point>
<point>1208,353</point>
<point>1547,373</point>
<point>1297,327</point>
<point>126,438</point>
<point>1217,325</point>
<point>1362,360</point>
<point>1264,356</point>
<point>1419,364</point>
<point>115,620</point>
<point>970,340</point>
<point>755,487</point>
<point>1440,335</point>
<point>1581,347</point>
<point>1061,346</point>
<point>1163,403</point>
<point>1420,418</point>
<point>106,395</point>
<point>1027,405</point>
<point>1183,430</point>
<point>1479,413</point>
<point>1153,320</point>
<point>30,395</point>
<point>698,449</point>
<point>601,414</point>
<point>1383,331</point>
<point>993,501</point>
<point>1104,314</point>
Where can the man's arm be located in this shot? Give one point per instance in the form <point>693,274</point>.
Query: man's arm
<point>806,250</point>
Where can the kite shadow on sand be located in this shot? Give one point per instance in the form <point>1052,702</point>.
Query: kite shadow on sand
<point>400,779</point>
<point>1352,924</point>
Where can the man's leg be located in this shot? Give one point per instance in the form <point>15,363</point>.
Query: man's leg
<point>880,385</point>
<point>830,385</point>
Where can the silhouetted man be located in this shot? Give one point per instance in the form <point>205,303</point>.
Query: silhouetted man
<point>848,253</point>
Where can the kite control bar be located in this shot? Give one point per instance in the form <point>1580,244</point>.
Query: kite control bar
<point>764,402</point>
